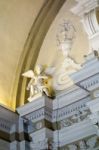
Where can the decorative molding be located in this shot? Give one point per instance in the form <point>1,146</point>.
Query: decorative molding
<point>62,79</point>
<point>88,10</point>
<point>36,115</point>
<point>91,83</point>
<point>69,115</point>
<point>59,113</point>
<point>91,23</point>
<point>93,105</point>
<point>74,119</point>
<point>94,117</point>
<point>41,135</point>
<point>43,144</point>
<point>32,106</point>
<point>89,143</point>
<point>69,110</point>
<point>74,133</point>
<point>84,6</point>
<point>96,93</point>
<point>72,97</point>
<point>6,126</point>
<point>86,72</point>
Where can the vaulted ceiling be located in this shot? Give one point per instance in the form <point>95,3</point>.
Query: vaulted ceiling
<point>28,31</point>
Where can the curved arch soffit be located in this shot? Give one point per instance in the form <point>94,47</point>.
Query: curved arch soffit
<point>32,47</point>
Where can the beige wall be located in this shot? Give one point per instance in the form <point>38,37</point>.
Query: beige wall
<point>16,19</point>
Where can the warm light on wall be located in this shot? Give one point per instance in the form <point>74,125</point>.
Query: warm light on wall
<point>7,105</point>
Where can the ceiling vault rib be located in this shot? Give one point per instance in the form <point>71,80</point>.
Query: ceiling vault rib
<point>32,47</point>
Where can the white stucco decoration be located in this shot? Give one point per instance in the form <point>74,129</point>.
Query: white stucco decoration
<point>62,79</point>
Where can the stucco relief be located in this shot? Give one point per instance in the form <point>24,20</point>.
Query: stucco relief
<point>65,39</point>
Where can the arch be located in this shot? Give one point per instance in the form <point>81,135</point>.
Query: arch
<point>32,47</point>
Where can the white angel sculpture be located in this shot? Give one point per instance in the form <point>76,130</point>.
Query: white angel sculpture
<point>40,81</point>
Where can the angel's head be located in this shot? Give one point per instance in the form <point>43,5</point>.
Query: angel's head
<point>38,69</point>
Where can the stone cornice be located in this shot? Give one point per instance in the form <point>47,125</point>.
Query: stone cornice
<point>32,106</point>
<point>67,99</point>
<point>94,105</point>
<point>74,133</point>
<point>66,119</point>
<point>91,83</point>
<point>86,72</point>
<point>57,114</point>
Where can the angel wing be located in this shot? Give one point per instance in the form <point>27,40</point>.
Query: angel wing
<point>49,71</point>
<point>28,74</point>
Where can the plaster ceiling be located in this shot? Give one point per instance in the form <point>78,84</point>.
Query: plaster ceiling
<point>16,19</point>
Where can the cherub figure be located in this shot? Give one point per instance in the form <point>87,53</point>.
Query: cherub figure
<point>40,81</point>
